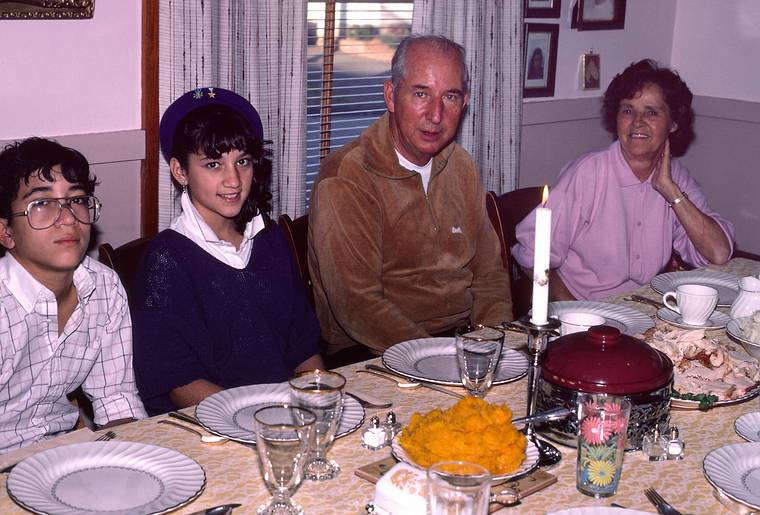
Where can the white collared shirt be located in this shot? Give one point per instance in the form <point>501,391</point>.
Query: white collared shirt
<point>423,170</point>
<point>39,367</point>
<point>192,225</point>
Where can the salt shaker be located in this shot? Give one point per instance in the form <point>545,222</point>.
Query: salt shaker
<point>392,427</point>
<point>374,437</point>
<point>654,445</point>
<point>675,444</point>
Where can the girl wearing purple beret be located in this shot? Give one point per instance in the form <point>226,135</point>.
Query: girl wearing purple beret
<point>218,300</point>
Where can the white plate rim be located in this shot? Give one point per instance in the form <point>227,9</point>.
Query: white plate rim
<point>686,404</point>
<point>734,329</point>
<point>103,450</point>
<point>719,320</point>
<point>210,412</point>
<point>635,321</point>
<point>669,281</point>
<point>396,356</point>
<point>712,455</point>
<point>598,510</point>
<point>529,464</point>
<point>743,423</point>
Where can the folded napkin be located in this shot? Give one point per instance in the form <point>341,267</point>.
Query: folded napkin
<point>78,436</point>
<point>401,490</point>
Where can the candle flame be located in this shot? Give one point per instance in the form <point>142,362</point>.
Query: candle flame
<point>545,195</point>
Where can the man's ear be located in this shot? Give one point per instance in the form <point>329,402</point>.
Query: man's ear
<point>388,95</point>
<point>673,127</point>
<point>6,235</point>
<point>177,172</point>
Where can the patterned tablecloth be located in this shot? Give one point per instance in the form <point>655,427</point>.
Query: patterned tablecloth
<point>233,474</point>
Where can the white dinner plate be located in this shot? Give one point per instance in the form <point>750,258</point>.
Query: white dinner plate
<point>529,464</point>
<point>106,477</point>
<point>435,360</point>
<point>734,329</point>
<point>726,284</point>
<point>627,320</point>
<point>748,426</point>
<point>229,413</point>
<point>599,510</point>
<point>735,471</point>
<point>716,321</point>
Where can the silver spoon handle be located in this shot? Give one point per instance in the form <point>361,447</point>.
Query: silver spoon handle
<point>544,416</point>
<point>180,425</point>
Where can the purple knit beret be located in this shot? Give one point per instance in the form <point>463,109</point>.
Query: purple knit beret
<point>201,97</point>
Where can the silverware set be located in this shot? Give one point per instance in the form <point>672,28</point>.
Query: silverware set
<point>399,379</point>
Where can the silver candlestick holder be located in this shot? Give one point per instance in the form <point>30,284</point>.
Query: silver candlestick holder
<point>538,337</point>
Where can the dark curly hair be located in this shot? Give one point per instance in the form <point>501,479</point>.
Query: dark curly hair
<point>675,91</point>
<point>22,159</point>
<point>214,130</point>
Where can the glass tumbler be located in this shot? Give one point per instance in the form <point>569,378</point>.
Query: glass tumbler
<point>458,488</point>
<point>322,393</point>
<point>478,351</point>
<point>602,431</point>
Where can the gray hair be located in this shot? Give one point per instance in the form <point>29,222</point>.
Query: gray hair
<point>439,43</point>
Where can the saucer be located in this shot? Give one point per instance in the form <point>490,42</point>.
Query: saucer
<point>716,321</point>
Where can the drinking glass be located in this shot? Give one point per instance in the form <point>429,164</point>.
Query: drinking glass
<point>478,351</point>
<point>602,430</point>
<point>284,436</point>
<point>458,488</point>
<point>322,393</point>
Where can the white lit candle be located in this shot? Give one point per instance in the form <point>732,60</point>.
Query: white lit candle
<point>541,252</point>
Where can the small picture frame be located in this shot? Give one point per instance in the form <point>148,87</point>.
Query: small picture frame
<point>540,46</point>
<point>542,8</point>
<point>598,15</point>
<point>590,71</point>
<point>46,9</point>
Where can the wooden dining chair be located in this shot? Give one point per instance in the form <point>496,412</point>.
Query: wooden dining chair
<point>297,233</point>
<point>505,212</point>
<point>125,260</point>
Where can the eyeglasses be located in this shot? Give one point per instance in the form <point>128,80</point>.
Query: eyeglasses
<point>45,212</point>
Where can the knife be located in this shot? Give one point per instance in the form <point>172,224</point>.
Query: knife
<point>431,386</point>
<point>185,417</point>
<point>223,509</point>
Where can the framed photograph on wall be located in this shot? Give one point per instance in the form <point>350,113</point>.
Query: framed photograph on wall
<point>598,15</point>
<point>542,8</point>
<point>590,71</point>
<point>540,59</point>
<point>46,9</point>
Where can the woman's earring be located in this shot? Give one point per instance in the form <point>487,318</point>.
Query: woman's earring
<point>184,187</point>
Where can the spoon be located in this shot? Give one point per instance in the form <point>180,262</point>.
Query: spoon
<point>544,416</point>
<point>204,438</point>
<point>222,509</point>
<point>401,383</point>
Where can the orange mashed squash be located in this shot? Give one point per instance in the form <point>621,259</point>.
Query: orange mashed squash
<point>471,430</point>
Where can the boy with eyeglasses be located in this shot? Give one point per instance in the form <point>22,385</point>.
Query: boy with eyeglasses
<point>64,319</point>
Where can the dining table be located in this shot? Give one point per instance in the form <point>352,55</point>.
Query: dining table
<point>233,474</point>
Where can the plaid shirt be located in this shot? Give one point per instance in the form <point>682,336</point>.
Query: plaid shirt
<point>39,367</point>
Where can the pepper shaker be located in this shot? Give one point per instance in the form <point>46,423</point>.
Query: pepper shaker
<point>655,445</point>
<point>374,437</point>
<point>392,427</point>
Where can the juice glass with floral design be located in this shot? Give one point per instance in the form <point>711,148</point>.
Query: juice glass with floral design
<point>602,430</point>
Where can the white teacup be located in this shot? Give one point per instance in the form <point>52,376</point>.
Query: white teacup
<point>695,302</point>
<point>577,322</point>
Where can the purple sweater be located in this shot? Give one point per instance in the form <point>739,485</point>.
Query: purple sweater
<point>198,318</point>
<point>612,233</point>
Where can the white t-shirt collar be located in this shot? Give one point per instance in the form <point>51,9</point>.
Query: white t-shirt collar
<point>423,170</point>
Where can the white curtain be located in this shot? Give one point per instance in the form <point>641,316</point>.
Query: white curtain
<point>491,33</point>
<point>258,50</point>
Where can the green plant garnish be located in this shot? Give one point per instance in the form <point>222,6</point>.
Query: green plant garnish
<point>706,401</point>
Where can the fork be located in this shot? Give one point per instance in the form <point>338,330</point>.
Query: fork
<point>110,435</point>
<point>663,508</point>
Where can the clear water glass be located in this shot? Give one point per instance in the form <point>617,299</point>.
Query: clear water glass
<point>284,437</point>
<point>478,352</point>
<point>322,393</point>
<point>458,488</point>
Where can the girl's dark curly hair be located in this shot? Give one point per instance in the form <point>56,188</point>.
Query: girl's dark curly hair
<point>675,91</point>
<point>214,130</point>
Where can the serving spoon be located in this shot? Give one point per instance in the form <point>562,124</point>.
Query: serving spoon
<point>204,438</point>
<point>401,383</point>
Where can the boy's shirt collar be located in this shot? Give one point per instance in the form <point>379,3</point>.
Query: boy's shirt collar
<point>26,289</point>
